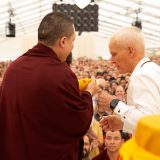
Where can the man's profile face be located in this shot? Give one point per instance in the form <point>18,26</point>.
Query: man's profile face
<point>120,57</point>
<point>113,141</point>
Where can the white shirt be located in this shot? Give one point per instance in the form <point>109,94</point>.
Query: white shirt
<point>143,95</point>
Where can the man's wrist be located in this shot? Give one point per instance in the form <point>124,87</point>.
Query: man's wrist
<point>114,103</point>
<point>89,90</point>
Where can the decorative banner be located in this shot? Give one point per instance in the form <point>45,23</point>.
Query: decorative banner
<point>84,19</point>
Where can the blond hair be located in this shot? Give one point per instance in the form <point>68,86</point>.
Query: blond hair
<point>130,37</point>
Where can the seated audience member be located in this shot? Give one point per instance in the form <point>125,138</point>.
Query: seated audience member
<point>113,85</point>
<point>120,93</point>
<point>102,83</point>
<point>105,74</point>
<point>86,148</point>
<point>99,75</point>
<point>90,147</point>
<point>145,143</point>
<point>113,142</point>
<point>122,81</point>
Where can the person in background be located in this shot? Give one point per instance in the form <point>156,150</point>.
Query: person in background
<point>127,50</point>
<point>122,81</point>
<point>120,93</point>
<point>43,115</point>
<point>89,147</point>
<point>113,142</point>
<point>113,86</point>
<point>86,148</point>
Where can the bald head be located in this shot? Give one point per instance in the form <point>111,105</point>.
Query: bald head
<point>127,45</point>
<point>130,37</point>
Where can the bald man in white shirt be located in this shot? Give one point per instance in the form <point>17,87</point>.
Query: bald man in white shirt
<point>127,50</point>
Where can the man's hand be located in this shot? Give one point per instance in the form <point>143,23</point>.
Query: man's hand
<point>92,87</point>
<point>102,83</point>
<point>111,122</point>
<point>104,100</point>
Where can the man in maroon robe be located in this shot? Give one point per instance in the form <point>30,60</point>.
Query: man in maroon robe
<point>43,116</point>
<point>113,142</point>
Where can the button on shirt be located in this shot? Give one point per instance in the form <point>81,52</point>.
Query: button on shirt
<point>143,95</point>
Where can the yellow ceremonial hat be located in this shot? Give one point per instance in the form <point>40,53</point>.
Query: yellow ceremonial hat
<point>145,143</point>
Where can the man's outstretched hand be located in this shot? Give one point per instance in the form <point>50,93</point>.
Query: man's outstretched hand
<point>111,122</point>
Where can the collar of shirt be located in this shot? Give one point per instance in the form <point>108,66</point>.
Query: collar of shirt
<point>140,63</point>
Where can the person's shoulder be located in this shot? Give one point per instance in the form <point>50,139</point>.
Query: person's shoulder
<point>65,72</point>
<point>146,69</point>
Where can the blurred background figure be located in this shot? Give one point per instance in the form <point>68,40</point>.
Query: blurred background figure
<point>86,148</point>
<point>120,93</point>
<point>91,146</point>
<point>113,142</point>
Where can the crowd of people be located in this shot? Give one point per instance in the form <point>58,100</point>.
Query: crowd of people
<point>85,67</point>
<point>111,81</point>
<point>3,67</point>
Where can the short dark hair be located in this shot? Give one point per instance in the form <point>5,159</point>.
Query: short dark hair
<point>124,135</point>
<point>99,74</point>
<point>53,26</point>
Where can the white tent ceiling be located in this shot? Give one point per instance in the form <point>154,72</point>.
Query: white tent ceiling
<point>113,14</point>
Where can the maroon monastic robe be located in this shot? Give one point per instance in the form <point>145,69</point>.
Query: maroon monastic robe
<point>102,156</point>
<point>43,115</point>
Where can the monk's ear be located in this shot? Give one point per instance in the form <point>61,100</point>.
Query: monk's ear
<point>62,41</point>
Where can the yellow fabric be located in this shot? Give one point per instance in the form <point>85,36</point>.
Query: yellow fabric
<point>131,151</point>
<point>83,83</point>
<point>94,153</point>
<point>145,144</point>
<point>148,134</point>
<point>99,133</point>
